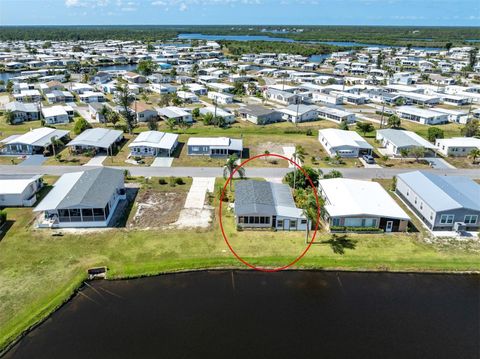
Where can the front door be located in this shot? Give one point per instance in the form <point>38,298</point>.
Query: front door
<point>389,226</point>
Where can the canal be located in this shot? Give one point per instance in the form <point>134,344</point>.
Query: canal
<point>246,314</point>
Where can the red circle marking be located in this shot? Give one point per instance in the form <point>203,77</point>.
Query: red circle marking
<point>221,223</point>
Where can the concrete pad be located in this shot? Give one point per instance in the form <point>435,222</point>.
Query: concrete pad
<point>368,165</point>
<point>274,179</point>
<point>33,160</point>
<point>198,191</point>
<point>438,162</point>
<point>162,162</point>
<point>96,161</point>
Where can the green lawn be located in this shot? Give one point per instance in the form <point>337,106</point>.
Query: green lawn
<point>39,271</point>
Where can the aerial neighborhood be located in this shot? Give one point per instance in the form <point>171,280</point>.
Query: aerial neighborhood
<point>110,108</point>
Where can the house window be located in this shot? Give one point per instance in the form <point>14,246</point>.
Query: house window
<point>251,220</point>
<point>431,215</point>
<point>446,218</point>
<point>335,222</point>
<point>421,205</point>
<point>257,220</point>
<point>280,223</point>
<point>304,221</point>
<point>471,219</point>
<point>240,219</point>
<point>293,224</point>
<point>267,220</point>
<point>416,200</point>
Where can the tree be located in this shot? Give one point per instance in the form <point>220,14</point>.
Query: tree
<point>165,100</point>
<point>472,58</point>
<point>150,48</point>
<point>417,152</point>
<point>77,48</point>
<point>113,118</point>
<point>173,72</point>
<point>80,125</point>
<point>207,119</point>
<point>394,121</point>
<point>404,153</point>
<point>238,89</point>
<point>194,70</point>
<point>9,86</point>
<point>298,156</point>
<point>146,67</point>
<point>176,101</point>
<point>196,113</point>
<point>434,133</point>
<point>301,181</point>
<point>46,45</point>
<point>333,174</point>
<point>448,46</point>
<point>10,117</point>
<point>184,125</point>
<point>343,125</point>
<point>365,127</point>
<point>231,166</point>
<point>124,99</point>
<point>152,124</point>
<point>171,124</point>
<point>474,154</point>
<point>471,129</point>
<point>400,101</point>
<point>55,142</point>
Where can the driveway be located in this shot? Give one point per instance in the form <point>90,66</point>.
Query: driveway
<point>369,165</point>
<point>439,163</point>
<point>198,191</point>
<point>96,161</point>
<point>162,162</point>
<point>33,160</point>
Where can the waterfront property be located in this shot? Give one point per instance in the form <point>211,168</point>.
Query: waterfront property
<point>351,204</point>
<point>82,199</point>
<point>33,142</point>
<point>19,190</point>
<point>457,146</point>
<point>214,146</point>
<point>395,142</point>
<point>153,143</point>
<point>97,139</point>
<point>444,203</point>
<point>267,205</point>
<point>343,143</point>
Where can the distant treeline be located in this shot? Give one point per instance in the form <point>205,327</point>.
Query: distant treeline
<point>255,47</point>
<point>389,35</point>
<point>61,33</point>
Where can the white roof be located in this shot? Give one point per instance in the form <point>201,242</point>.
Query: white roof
<point>421,112</point>
<point>349,197</point>
<point>339,138</point>
<point>334,111</point>
<point>155,139</point>
<point>96,137</point>
<point>222,142</point>
<point>172,111</point>
<point>38,137</point>
<point>53,111</point>
<point>460,142</point>
<point>15,186</point>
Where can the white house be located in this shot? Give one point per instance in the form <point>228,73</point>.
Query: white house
<point>394,141</point>
<point>82,199</point>
<point>35,141</point>
<point>300,113</point>
<point>55,115</point>
<point>177,113</point>
<point>227,116</point>
<point>19,190</point>
<point>154,143</point>
<point>336,115</point>
<point>220,97</point>
<point>214,146</point>
<point>343,143</point>
<point>457,146</point>
<point>351,204</point>
<point>423,116</point>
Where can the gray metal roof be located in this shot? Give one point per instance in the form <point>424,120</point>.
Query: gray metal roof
<point>96,137</point>
<point>444,192</point>
<point>401,138</point>
<point>256,110</point>
<point>87,189</point>
<point>264,198</point>
<point>21,107</point>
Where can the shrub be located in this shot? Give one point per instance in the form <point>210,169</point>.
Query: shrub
<point>171,181</point>
<point>3,217</point>
<point>162,181</point>
<point>309,132</point>
<point>179,181</point>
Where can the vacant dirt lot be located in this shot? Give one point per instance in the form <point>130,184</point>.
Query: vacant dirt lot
<point>156,209</point>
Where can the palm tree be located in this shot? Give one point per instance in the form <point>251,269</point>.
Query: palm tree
<point>55,142</point>
<point>297,156</point>
<point>474,154</point>
<point>231,166</point>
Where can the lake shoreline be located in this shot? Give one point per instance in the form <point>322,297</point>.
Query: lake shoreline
<point>78,285</point>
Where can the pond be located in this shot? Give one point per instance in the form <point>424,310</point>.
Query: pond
<point>246,314</point>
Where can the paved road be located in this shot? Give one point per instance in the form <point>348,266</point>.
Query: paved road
<point>357,173</point>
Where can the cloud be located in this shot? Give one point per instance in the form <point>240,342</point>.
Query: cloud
<point>183,5</point>
<point>87,3</point>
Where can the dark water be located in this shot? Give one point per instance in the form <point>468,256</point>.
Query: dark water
<point>261,315</point>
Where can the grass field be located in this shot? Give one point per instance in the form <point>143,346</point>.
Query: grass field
<point>39,272</point>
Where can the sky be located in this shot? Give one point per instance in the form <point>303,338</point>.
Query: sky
<point>236,12</point>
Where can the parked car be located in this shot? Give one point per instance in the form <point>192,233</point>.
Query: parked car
<point>368,159</point>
